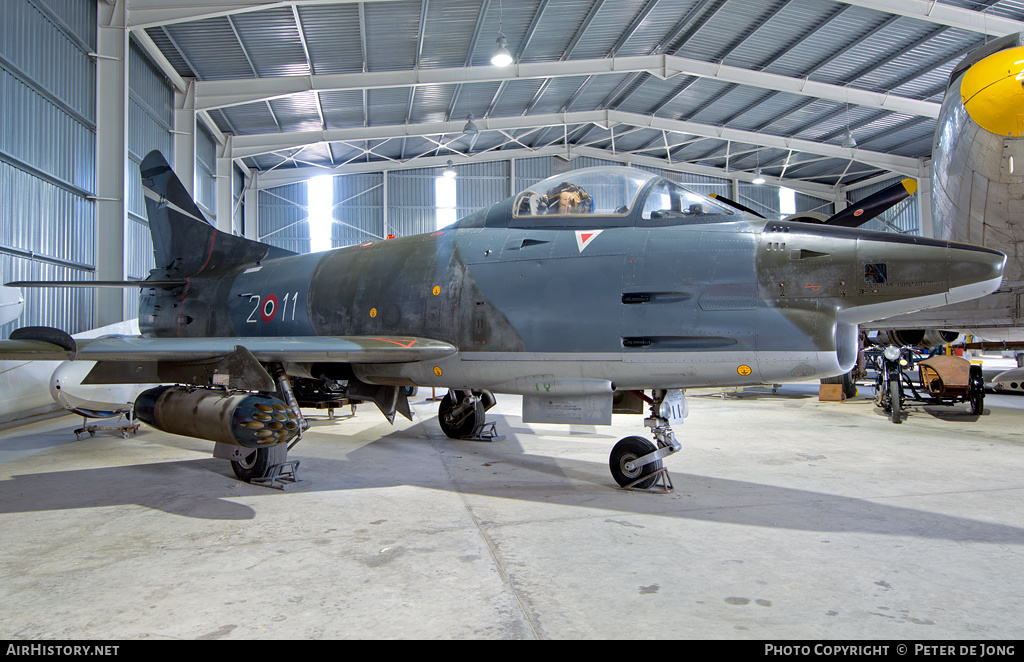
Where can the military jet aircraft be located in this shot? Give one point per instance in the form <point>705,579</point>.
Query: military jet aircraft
<point>583,294</point>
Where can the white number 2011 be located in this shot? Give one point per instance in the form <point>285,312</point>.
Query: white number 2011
<point>265,308</point>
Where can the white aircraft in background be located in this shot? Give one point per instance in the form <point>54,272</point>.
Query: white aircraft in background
<point>11,304</point>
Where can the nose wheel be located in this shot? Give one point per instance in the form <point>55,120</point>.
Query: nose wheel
<point>635,462</point>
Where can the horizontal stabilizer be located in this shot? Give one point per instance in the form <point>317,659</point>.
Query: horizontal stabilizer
<point>97,283</point>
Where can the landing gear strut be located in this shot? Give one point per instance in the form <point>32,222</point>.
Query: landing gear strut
<point>635,462</point>
<point>269,466</point>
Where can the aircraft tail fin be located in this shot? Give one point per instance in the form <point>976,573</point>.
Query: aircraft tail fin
<point>857,215</point>
<point>185,243</point>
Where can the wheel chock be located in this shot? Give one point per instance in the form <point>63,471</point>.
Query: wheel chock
<point>282,477</point>
<point>662,485</point>
<point>485,432</point>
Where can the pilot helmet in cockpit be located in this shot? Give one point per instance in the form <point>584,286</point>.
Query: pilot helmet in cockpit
<point>567,198</point>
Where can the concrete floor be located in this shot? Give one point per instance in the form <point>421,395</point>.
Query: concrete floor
<point>791,518</point>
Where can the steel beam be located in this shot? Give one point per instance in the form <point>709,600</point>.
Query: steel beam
<point>253,145</point>
<point>225,93</point>
<point>151,13</point>
<point>940,13</point>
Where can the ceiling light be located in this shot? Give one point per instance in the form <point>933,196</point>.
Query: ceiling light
<point>849,140</point>
<point>758,177</point>
<point>470,128</point>
<point>449,170</point>
<point>502,57</point>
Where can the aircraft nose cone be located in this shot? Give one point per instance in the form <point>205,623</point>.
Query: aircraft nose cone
<point>903,275</point>
<point>992,93</point>
<point>973,271</point>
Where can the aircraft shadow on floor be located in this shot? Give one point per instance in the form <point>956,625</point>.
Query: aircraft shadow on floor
<point>421,456</point>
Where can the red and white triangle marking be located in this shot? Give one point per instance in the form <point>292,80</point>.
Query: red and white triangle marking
<point>584,237</point>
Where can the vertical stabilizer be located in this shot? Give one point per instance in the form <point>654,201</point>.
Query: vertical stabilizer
<point>185,244</point>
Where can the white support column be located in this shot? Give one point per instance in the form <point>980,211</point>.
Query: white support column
<point>384,206</point>
<point>840,199</point>
<point>251,205</point>
<point>184,162</point>
<point>924,202</point>
<point>225,219</point>
<point>111,158</point>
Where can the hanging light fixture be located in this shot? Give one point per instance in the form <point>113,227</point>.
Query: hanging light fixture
<point>470,128</point>
<point>758,177</point>
<point>502,57</point>
<point>848,141</point>
<point>449,170</point>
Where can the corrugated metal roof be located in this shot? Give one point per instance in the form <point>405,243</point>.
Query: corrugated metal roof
<point>820,40</point>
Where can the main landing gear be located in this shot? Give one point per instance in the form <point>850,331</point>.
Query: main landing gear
<point>269,466</point>
<point>461,415</point>
<point>635,462</point>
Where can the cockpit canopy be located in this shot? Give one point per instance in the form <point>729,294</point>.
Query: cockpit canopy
<point>615,191</point>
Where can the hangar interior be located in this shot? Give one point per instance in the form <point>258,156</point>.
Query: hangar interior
<point>782,105</point>
<point>250,102</point>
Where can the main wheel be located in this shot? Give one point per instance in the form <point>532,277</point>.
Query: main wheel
<point>976,391</point>
<point>894,401</point>
<point>624,452</point>
<point>977,399</point>
<point>458,422</point>
<point>259,463</point>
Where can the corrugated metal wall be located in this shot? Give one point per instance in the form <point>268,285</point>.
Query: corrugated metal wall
<point>762,199</point>
<point>806,202</point>
<point>412,201</point>
<point>150,117</point>
<point>411,195</point>
<point>358,211</point>
<point>765,200</point>
<point>705,184</point>
<point>531,171</point>
<point>903,218</point>
<point>283,219</point>
<point>48,156</point>
<point>480,185</point>
<point>206,173</point>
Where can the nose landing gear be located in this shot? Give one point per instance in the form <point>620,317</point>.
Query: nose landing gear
<point>635,462</point>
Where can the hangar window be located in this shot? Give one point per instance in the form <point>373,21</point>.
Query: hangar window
<point>875,273</point>
<point>446,210</point>
<point>321,199</point>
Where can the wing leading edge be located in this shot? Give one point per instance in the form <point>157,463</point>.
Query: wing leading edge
<point>39,344</point>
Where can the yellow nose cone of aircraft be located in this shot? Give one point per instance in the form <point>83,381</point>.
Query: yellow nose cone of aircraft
<point>993,93</point>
